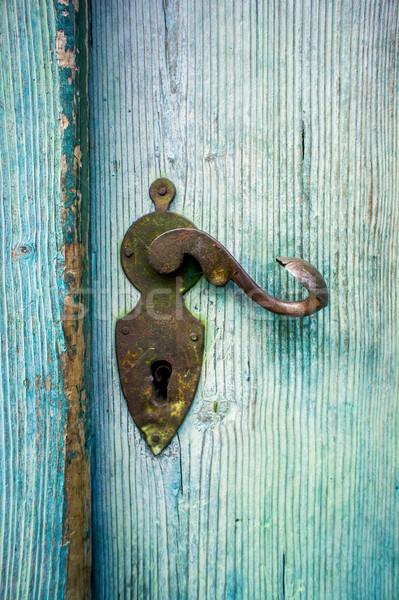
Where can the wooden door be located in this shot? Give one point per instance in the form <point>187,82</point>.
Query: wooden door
<point>277,122</point>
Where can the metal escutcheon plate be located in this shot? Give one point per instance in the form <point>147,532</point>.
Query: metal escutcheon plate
<point>159,344</point>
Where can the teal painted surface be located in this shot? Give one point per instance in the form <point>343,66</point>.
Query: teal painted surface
<point>37,217</point>
<point>278,123</point>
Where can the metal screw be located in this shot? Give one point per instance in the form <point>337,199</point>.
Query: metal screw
<point>162,191</point>
<point>155,438</point>
<point>125,330</point>
<point>193,337</point>
<point>128,252</point>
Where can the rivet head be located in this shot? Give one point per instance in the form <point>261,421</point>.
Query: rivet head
<point>162,191</point>
<point>155,438</point>
<point>128,252</point>
<point>193,337</point>
<point>125,330</point>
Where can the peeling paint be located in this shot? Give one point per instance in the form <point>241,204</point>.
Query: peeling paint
<point>65,56</point>
<point>63,121</point>
<point>71,52</point>
<point>64,164</point>
<point>78,155</point>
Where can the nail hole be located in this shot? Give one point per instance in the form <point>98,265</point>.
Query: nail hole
<point>161,370</point>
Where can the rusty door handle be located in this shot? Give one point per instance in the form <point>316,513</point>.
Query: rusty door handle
<point>159,343</point>
<point>167,251</point>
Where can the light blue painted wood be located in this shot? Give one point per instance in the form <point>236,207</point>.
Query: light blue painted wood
<point>278,123</point>
<point>40,271</point>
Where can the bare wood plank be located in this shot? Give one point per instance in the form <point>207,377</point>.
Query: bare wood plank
<point>278,123</point>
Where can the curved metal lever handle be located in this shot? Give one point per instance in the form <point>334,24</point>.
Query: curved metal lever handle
<point>167,251</point>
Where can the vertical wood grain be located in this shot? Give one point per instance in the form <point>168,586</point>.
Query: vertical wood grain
<point>44,471</point>
<point>278,123</point>
<point>72,59</point>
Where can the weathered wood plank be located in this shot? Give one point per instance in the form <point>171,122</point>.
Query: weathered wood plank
<point>72,59</point>
<point>278,123</point>
<point>44,491</point>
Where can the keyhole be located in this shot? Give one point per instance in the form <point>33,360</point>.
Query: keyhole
<point>161,371</point>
